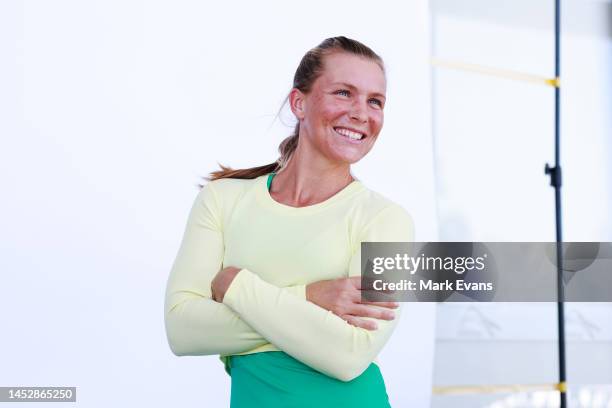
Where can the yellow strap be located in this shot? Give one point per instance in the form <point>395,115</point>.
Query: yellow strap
<point>502,73</point>
<point>491,389</point>
<point>562,386</point>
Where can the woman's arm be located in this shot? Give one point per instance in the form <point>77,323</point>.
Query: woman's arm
<point>196,324</point>
<point>309,333</point>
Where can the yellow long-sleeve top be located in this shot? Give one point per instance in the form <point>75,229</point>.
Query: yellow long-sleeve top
<point>280,249</point>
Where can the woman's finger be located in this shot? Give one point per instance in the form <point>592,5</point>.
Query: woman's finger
<point>372,311</point>
<point>390,305</point>
<point>363,323</point>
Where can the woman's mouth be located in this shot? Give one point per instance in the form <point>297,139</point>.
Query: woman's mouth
<point>352,136</point>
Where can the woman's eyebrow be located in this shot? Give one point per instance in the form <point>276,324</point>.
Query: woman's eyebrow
<point>350,86</point>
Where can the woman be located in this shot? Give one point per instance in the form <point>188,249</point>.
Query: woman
<point>268,272</point>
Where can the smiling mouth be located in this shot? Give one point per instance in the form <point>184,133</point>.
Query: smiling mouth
<point>356,136</point>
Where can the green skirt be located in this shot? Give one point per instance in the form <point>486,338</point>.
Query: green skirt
<point>275,379</point>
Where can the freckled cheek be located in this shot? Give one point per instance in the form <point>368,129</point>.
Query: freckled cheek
<point>320,117</point>
<point>336,109</point>
<point>376,124</point>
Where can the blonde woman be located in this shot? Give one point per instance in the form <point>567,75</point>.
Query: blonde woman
<point>268,272</point>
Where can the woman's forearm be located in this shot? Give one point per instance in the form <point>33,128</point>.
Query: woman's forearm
<point>197,325</point>
<point>307,332</point>
<point>201,326</point>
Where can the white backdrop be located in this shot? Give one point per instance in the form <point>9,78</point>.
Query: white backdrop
<point>109,112</point>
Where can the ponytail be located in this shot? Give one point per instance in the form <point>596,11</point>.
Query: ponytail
<point>286,149</point>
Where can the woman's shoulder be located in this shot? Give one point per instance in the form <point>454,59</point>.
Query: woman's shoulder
<point>228,190</point>
<point>379,218</point>
<point>231,185</point>
<point>372,203</point>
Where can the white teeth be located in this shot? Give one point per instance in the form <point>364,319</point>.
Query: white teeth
<point>349,133</point>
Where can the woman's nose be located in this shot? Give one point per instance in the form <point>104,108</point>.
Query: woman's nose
<point>359,111</point>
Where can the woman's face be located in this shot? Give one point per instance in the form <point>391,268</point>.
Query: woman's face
<point>342,114</point>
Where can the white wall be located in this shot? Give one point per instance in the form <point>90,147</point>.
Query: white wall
<point>109,112</point>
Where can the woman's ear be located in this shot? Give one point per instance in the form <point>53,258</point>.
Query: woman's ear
<point>297,102</point>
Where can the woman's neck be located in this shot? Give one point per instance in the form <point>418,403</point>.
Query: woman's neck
<point>302,183</point>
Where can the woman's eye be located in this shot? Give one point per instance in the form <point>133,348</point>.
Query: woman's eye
<point>376,102</point>
<point>342,92</point>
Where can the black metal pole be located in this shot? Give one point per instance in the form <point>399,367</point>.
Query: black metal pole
<point>555,181</point>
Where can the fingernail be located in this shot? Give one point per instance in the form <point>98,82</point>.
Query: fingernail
<point>390,315</point>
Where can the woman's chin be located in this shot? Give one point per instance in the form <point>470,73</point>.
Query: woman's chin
<point>347,158</point>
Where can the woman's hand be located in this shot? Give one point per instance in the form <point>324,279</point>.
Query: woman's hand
<point>343,298</point>
<point>340,296</point>
<point>222,281</point>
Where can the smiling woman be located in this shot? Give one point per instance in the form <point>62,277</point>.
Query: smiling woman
<point>346,100</point>
<point>268,273</point>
